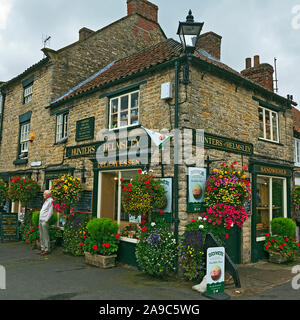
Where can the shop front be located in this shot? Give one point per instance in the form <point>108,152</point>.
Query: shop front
<point>271,198</point>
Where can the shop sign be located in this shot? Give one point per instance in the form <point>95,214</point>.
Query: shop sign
<point>215,270</point>
<point>119,163</point>
<point>222,143</point>
<point>8,226</point>
<point>82,150</point>
<point>274,171</point>
<point>85,129</point>
<point>196,188</point>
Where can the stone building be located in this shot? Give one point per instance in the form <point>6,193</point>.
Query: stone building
<point>24,98</point>
<point>158,88</point>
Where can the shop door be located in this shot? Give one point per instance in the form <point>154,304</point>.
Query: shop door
<point>271,202</point>
<point>233,244</point>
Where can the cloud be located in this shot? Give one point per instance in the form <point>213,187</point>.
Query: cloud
<point>5,8</point>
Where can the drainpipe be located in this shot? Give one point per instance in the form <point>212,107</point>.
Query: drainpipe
<point>176,219</point>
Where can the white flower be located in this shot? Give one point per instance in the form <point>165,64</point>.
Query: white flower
<point>152,224</point>
<point>201,226</point>
<point>200,218</point>
<point>204,219</point>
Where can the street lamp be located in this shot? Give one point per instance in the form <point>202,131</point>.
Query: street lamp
<point>189,32</point>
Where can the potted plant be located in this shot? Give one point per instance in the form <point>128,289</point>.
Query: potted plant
<point>102,243</point>
<point>281,245</point>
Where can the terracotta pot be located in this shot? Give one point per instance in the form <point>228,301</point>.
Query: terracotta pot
<point>100,261</point>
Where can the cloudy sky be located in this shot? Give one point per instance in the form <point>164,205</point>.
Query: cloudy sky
<point>269,28</point>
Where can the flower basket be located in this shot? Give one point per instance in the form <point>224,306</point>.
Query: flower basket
<point>97,260</point>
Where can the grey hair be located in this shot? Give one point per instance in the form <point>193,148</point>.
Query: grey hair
<point>48,192</point>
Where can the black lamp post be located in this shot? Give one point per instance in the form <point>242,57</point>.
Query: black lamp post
<point>189,32</point>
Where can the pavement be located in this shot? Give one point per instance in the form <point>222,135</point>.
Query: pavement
<point>59,276</point>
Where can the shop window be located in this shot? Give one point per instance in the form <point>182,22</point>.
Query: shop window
<point>270,203</point>
<point>110,205</point>
<point>62,127</point>
<point>124,110</point>
<point>297,152</point>
<point>268,124</point>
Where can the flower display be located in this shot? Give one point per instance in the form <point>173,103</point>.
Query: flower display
<point>156,251</point>
<point>23,189</point>
<point>143,195</point>
<point>287,247</point>
<point>228,185</point>
<point>65,191</point>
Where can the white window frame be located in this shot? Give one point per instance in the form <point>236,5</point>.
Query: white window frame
<point>24,137</point>
<point>271,124</point>
<point>271,199</point>
<point>62,127</point>
<point>129,94</point>
<point>28,92</point>
<point>297,152</point>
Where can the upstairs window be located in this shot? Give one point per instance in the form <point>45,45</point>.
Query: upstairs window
<point>62,127</point>
<point>268,124</point>
<point>297,152</point>
<point>24,138</point>
<point>124,110</point>
<point>27,90</point>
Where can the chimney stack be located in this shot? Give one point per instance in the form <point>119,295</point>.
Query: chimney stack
<point>144,8</point>
<point>211,43</point>
<point>84,33</point>
<point>261,73</point>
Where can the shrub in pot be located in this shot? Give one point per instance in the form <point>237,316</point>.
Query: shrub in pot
<point>102,242</point>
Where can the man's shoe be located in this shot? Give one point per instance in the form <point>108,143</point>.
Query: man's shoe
<point>40,252</point>
<point>44,253</point>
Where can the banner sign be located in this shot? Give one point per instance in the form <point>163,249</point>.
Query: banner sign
<point>196,188</point>
<point>215,270</point>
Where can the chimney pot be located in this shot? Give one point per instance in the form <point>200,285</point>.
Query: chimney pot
<point>248,63</point>
<point>256,61</point>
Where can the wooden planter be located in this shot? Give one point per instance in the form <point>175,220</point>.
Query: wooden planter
<point>103,262</point>
<point>276,257</point>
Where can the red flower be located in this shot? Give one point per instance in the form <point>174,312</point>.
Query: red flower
<point>143,222</point>
<point>121,179</point>
<point>161,212</point>
<point>27,241</point>
<point>268,234</point>
<point>84,237</point>
<point>226,235</point>
<point>107,245</point>
<point>95,247</point>
<point>284,244</point>
<point>117,236</point>
<point>140,171</point>
<point>193,220</point>
<point>245,167</point>
<point>144,229</point>
<point>267,247</point>
<point>81,244</point>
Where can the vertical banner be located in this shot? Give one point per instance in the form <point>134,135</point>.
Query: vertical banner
<point>215,270</point>
<point>196,188</point>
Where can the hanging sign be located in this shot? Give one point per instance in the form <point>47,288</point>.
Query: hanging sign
<point>215,270</point>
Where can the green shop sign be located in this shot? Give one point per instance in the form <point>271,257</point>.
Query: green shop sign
<point>8,226</point>
<point>222,143</point>
<point>85,129</point>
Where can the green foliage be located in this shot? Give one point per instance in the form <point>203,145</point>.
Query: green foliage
<point>36,217</point>
<point>284,227</point>
<point>296,196</point>
<point>98,228</point>
<point>75,232</point>
<point>3,191</point>
<point>156,251</point>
